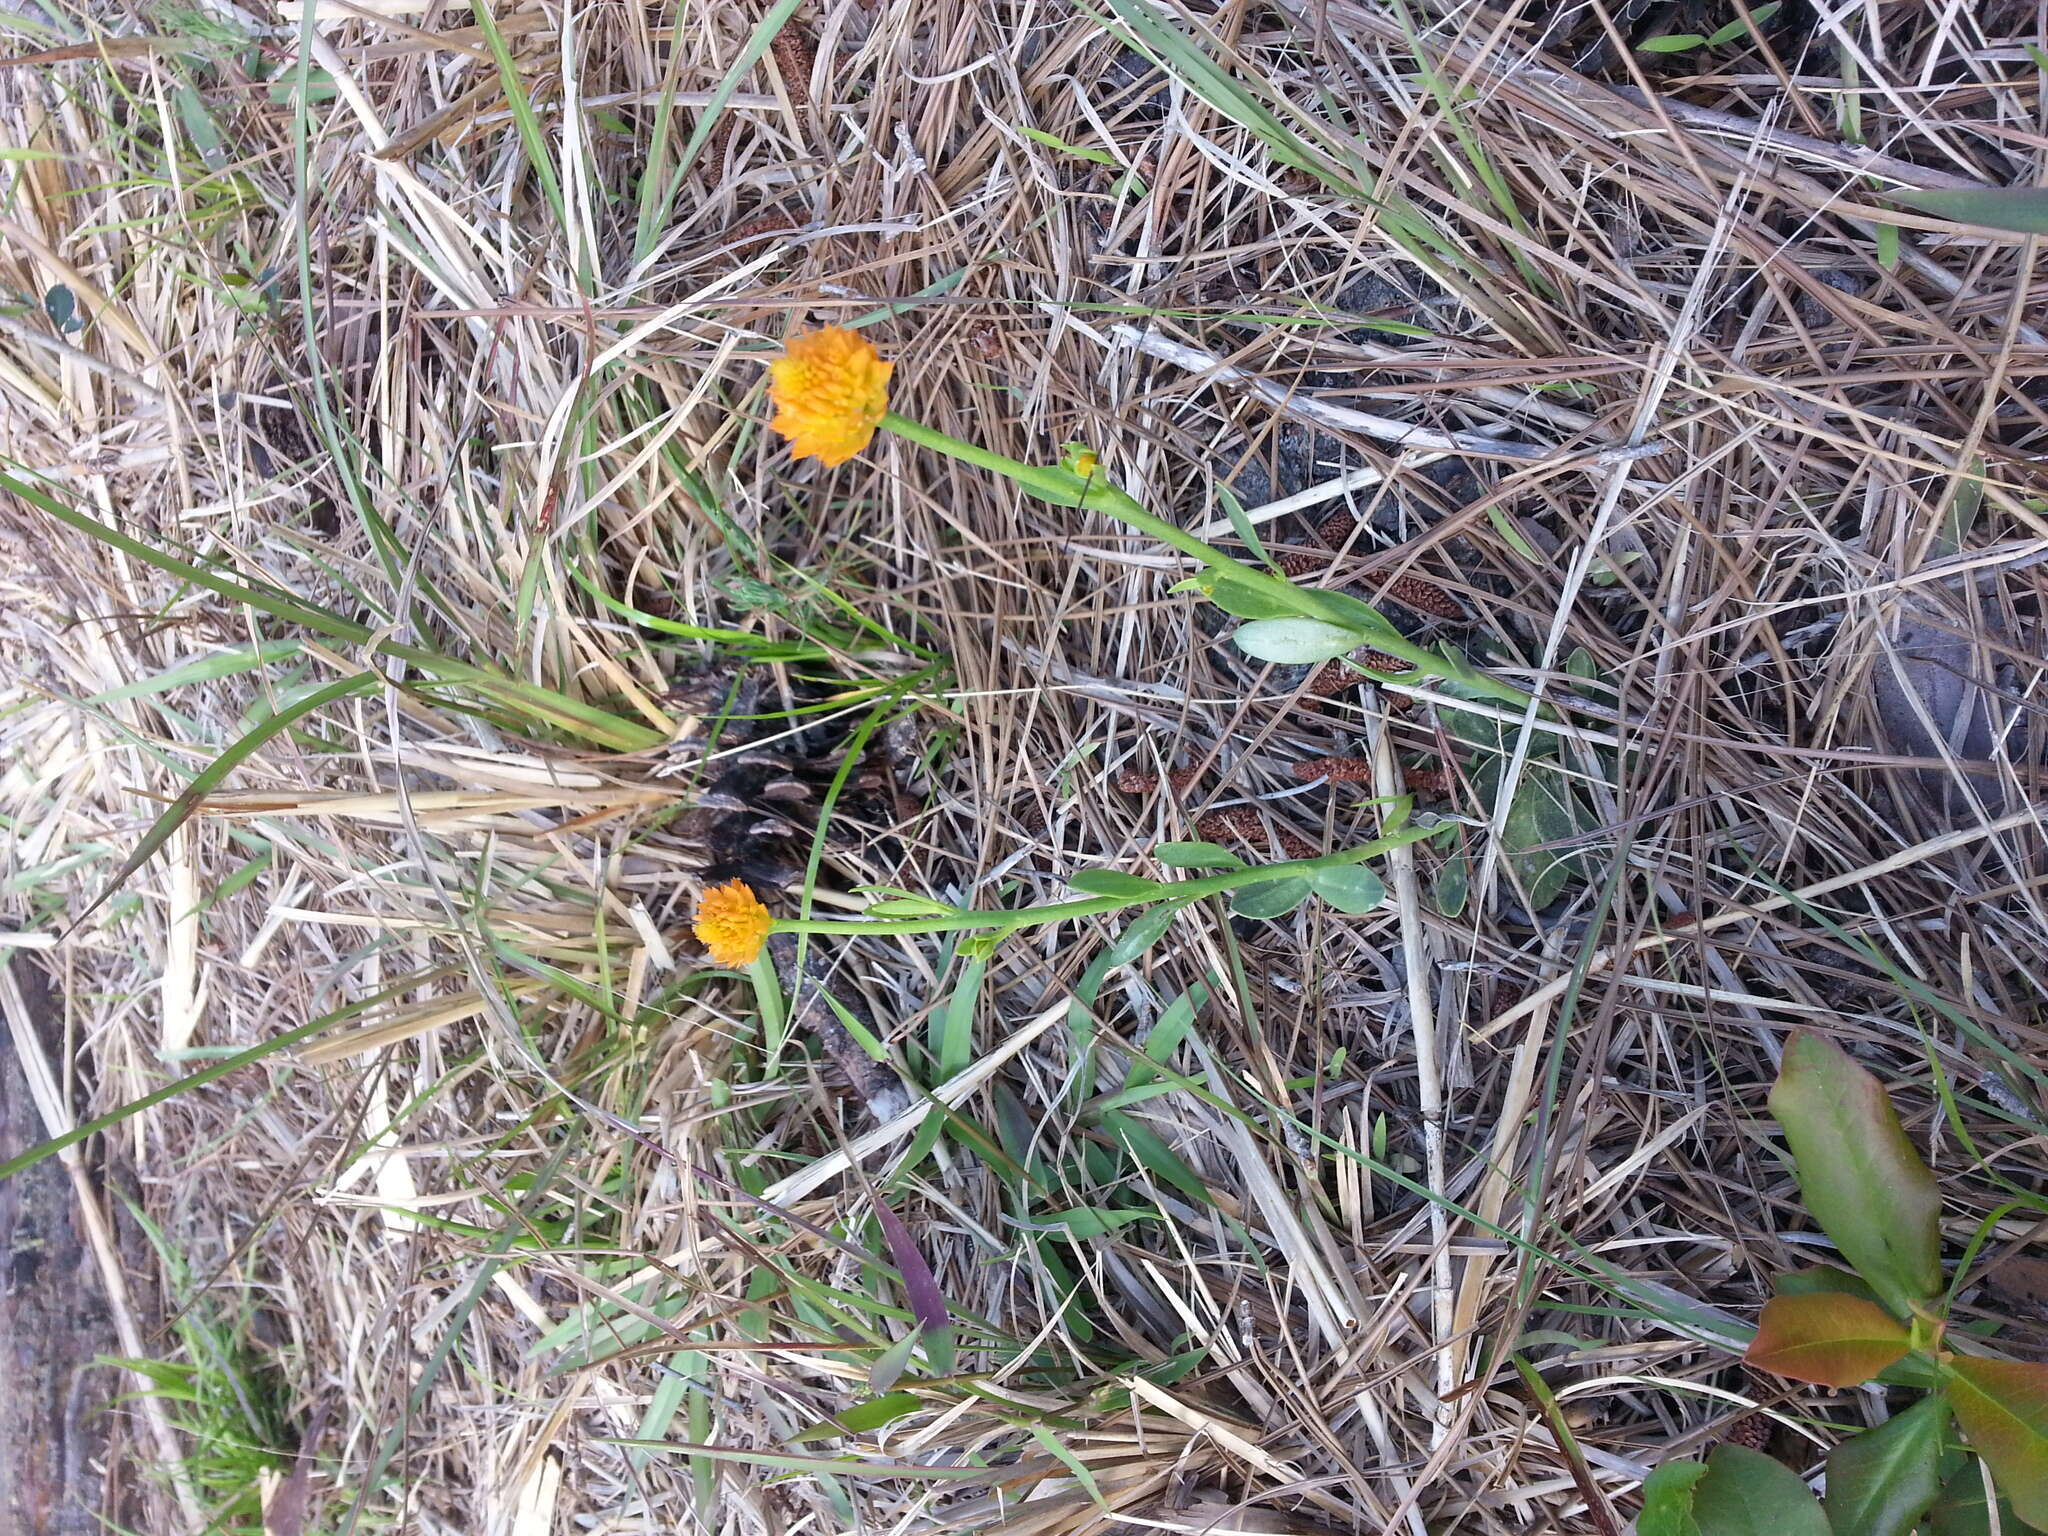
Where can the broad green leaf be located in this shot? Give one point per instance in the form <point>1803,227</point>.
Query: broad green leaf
<point>1858,1174</point>
<point>1824,1336</point>
<point>1349,887</point>
<point>1962,1509</point>
<point>1114,882</point>
<point>1667,1500</point>
<point>1453,884</point>
<point>1671,42</point>
<point>1196,856</point>
<point>2024,210</point>
<point>1914,1370</point>
<point>1544,811</point>
<point>1746,1493</point>
<point>2003,1408</point>
<point>1273,898</point>
<point>1823,1277</point>
<point>1884,1480</point>
<point>1296,642</point>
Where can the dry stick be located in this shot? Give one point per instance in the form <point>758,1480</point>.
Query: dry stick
<point>57,1119</point>
<point>1429,1082</point>
<point>1900,860</point>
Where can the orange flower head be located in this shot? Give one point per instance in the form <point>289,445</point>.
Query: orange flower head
<point>732,924</point>
<point>831,390</point>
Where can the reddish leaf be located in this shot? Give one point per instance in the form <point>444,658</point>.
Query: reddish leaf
<point>1825,1336</point>
<point>1858,1174</point>
<point>2003,1408</point>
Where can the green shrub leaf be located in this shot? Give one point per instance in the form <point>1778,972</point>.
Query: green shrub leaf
<point>1746,1493</point>
<point>1824,1336</point>
<point>1858,1174</point>
<point>2003,1408</point>
<point>1883,1481</point>
<point>1667,1500</point>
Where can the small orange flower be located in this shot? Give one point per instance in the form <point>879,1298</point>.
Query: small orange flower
<point>831,390</point>
<point>732,924</point>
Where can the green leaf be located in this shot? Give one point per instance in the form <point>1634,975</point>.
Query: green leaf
<point>1757,17</point>
<point>210,778</point>
<point>1962,1508</point>
<point>1746,1493</point>
<point>1091,1221</point>
<point>1823,1277</point>
<point>1348,887</point>
<point>203,669</point>
<point>1667,1500</point>
<point>2003,1408</point>
<point>1197,856</point>
<point>1670,42</point>
<point>1241,524</point>
<point>1826,1337</point>
<point>1857,1172</point>
<point>1884,1480</point>
<point>892,1362</point>
<point>1240,596</point>
<point>1271,898</point>
<point>1296,642</point>
<point>1114,882</point>
<point>1141,934</point>
<point>2023,210</point>
<point>860,1418</point>
<point>1453,885</point>
<point>906,906</point>
<point>1054,141</point>
<point>1544,811</point>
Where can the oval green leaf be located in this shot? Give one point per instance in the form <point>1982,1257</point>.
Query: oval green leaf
<point>1196,856</point>
<point>1271,898</point>
<point>906,906</point>
<point>1296,642</point>
<point>1746,1493</point>
<point>1114,882</point>
<point>1963,1509</point>
<point>1826,1337</point>
<point>1349,887</point>
<point>1882,1482</point>
<point>1857,1172</point>
<point>2003,1408</point>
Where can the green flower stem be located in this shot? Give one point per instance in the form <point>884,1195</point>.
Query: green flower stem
<point>1094,906</point>
<point>1062,487</point>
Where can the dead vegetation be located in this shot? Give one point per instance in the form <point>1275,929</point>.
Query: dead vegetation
<point>448,328</point>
